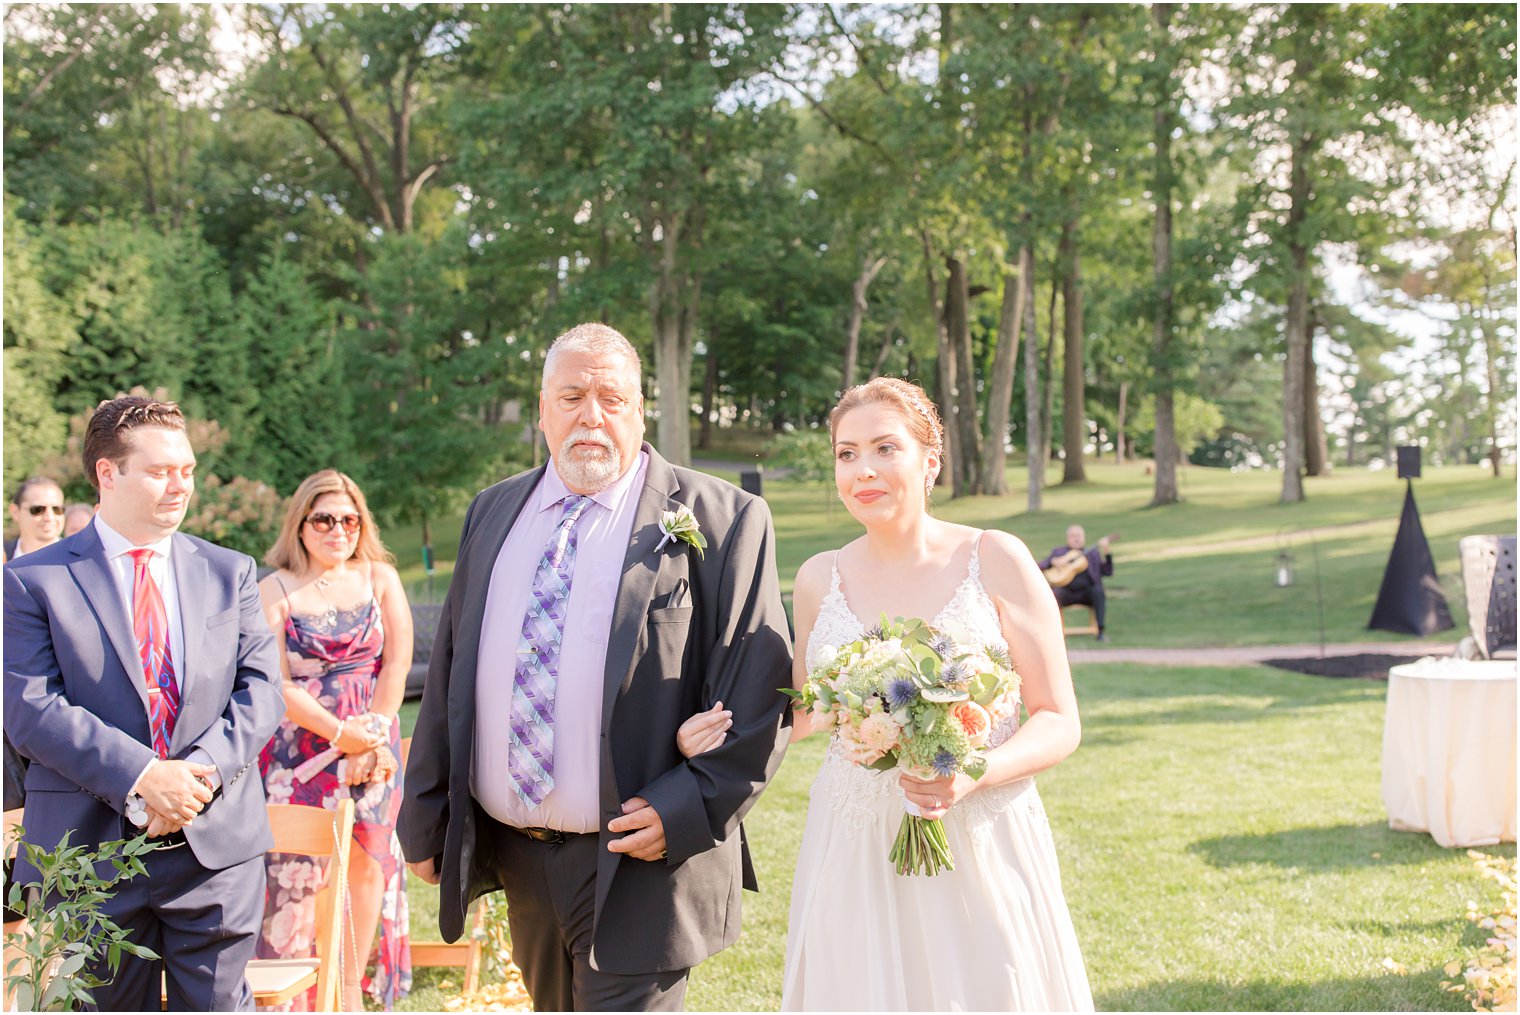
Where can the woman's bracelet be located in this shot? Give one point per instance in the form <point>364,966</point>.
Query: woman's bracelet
<point>338,732</point>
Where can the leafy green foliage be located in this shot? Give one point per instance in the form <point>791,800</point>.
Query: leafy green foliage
<point>809,454</point>
<point>422,379</point>
<point>65,921</point>
<point>747,191</point>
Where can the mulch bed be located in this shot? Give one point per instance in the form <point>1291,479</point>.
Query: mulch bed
<point>1362,667</point>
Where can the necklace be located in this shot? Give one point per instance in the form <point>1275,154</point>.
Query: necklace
<point>329,616</point>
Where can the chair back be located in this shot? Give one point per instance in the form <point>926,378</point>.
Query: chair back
<point>318,832</point>
<point>1488,580</point>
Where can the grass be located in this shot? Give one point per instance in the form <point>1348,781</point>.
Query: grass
<point>1223,845</point>
<point>1222,837</point>
<point>1200,573</point>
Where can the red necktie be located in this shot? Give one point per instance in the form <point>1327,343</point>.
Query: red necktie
<point>150,625</point>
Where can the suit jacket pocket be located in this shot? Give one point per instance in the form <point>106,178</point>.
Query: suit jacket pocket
<point>671,615</point>
<point>225,617</point>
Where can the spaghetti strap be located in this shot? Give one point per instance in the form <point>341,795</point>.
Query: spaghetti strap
<point>283,590</point>
<point>834,577</point>
<point>974,566</point>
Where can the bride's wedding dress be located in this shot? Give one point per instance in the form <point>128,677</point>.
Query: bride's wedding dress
<point>992,935</point>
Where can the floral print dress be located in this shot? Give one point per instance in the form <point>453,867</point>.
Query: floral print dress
<point>336,658</point>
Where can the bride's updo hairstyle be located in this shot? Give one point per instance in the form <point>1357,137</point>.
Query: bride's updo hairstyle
<point>912,404</point>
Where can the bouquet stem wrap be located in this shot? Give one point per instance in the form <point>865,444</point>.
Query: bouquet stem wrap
<point>921,846</point>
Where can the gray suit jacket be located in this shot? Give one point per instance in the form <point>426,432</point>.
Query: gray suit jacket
<point>76,700</point>
<point>726,640</point>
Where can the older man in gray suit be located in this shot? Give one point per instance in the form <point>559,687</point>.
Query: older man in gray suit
<point>141,681</point>
<point>584,622</point>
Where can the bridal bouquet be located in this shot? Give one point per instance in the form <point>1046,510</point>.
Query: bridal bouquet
<point>906,696</point>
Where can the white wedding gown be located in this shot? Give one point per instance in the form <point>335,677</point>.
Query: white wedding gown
<point>994,934</point>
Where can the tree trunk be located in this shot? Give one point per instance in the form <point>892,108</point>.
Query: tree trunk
<point>1033,434</point>
<point>1491,355</point>
<point>968,464</point>
<point>944,369</point>
<point>1166,451</point>
<point>1074,387</point>
<point>1000,396</point>
<point>1120,437</point>
<point>1316,449</point>
<point>673,305</point>
<point>1296,326</point>
<point>884,351</point>
<point>1047,371</point>
<point>868,270</point>
<point>709,392</point>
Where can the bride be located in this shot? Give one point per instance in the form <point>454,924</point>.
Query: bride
<point>994,934</point>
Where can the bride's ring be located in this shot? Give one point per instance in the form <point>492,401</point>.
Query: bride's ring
<point>936,803</point>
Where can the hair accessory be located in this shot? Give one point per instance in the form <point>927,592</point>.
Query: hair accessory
<point>939,436</point>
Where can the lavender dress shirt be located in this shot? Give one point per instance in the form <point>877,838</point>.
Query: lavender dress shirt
<point>601,539</point>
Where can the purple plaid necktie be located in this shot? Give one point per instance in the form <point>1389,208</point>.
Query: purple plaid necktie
<point>530,756</point>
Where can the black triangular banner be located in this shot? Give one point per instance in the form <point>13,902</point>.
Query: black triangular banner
<point>1411,600</point>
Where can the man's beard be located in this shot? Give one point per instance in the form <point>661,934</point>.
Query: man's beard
<point>588,470</point>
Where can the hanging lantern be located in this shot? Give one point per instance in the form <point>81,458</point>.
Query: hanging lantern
<point>1284,570</point>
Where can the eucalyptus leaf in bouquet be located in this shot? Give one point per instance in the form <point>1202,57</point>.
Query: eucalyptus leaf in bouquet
<point>906,696</point>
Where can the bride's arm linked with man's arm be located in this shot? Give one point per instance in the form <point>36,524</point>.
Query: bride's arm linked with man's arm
<point>1030,623</point>
<point>707,730</point>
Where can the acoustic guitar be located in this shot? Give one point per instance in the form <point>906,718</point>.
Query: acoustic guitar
<point>1067,566</point>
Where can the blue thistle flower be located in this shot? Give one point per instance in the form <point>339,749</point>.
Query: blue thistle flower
<point>944,764</point>
<point>998,655</point>
<point>901,693</point>
<point>943,646</point>
<point>875,633</point>
<point>953,673</point>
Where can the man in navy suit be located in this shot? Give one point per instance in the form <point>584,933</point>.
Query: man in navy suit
<point>142,681</point>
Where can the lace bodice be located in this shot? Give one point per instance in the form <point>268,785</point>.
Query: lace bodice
<point>970,617</point>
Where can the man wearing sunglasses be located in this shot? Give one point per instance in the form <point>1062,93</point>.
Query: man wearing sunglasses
<point>597,603</point>
<point>142,681</point>
<point>37,511</point>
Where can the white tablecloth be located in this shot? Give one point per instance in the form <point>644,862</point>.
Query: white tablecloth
<point>1449,750</point>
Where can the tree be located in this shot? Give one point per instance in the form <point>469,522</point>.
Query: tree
<point>1163,93</point>
<point>420,380</point>
<point>302,396</point>
<point>568,149</point>
<point>1326,98</point>
<point>96,117</point>
<point>365,81</point>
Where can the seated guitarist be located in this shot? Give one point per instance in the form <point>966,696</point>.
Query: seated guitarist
<point>1076,574</point>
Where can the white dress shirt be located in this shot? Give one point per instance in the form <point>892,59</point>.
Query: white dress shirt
<point>118,551</point>
<point>601,543</point>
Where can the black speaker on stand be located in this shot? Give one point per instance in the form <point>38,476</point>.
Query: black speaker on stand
<point>1410,600</point>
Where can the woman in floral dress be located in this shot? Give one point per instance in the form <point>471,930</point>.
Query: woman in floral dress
<point>338,603</point>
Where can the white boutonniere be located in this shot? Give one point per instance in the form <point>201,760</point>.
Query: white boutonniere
<point>681,524</point>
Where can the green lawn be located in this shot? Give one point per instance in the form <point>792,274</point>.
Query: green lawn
<point>1223,846</point>
<point>1222,836</point>
<point>1198,573</point>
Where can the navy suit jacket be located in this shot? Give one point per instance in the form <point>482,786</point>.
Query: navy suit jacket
<point>76,699</point>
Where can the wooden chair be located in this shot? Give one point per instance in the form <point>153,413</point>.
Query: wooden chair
<point>463,954</point>
<point>1091,627</point>
<point>315,832</point>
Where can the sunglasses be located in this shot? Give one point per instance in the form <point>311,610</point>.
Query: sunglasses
<point>36,510</point>
<point>323,522</point>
